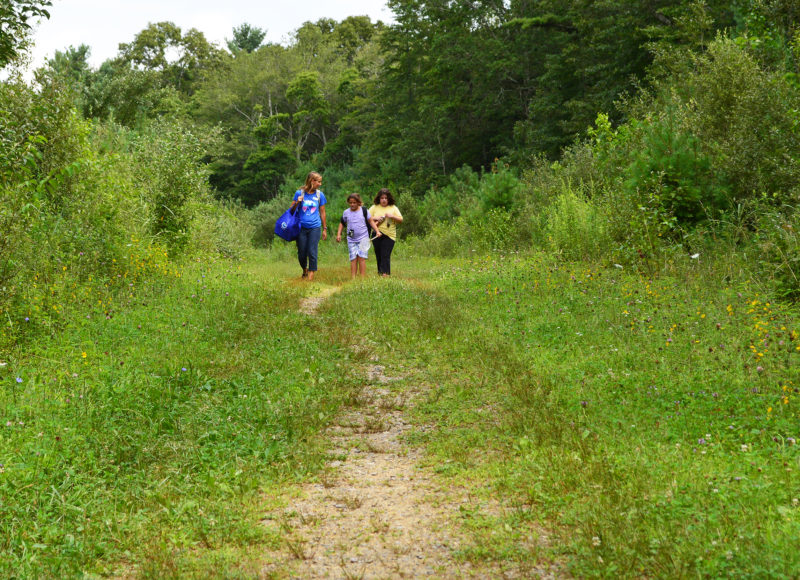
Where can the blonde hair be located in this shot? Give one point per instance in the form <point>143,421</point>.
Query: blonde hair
<point>309,177</point>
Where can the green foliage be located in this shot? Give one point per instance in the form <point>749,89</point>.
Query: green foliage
<point>263,173</point>
<point>263,218</point>
<point>246,38</point>
<point>777,238</point>
<point>644,417</point>
<point>672,168</point>
<point>743,116</point>
<point>500,189</point>
<point>169,176</point>
<point>576,228</point>
<point>15,17</point>
<point>182,59</point>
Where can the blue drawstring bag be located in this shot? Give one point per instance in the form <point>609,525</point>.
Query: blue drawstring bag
<point>288,225</point>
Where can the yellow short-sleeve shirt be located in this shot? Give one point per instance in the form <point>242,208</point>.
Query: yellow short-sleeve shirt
<point>388,227</point>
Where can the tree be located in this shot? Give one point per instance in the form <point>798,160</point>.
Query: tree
<point>245,38</point>
<point>15,17</point>
<point>453,83</point>
<point>182,59</point>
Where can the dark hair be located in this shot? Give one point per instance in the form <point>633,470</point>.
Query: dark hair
<point>388,195</point>
<point>356,197</point>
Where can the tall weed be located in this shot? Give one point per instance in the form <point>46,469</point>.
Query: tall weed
<point>576,229</point>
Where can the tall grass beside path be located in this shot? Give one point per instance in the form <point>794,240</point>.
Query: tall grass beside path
<point>139,435</point>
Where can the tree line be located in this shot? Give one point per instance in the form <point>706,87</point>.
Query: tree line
<point>448,84</point>
<point>659,118</point>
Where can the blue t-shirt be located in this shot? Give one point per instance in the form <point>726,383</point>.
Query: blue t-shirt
<point>309,209</point>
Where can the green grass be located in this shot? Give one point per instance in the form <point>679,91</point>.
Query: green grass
<point>148,431</point>
<point>648,425</point>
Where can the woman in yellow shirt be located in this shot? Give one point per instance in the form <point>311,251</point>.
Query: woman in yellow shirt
<point>387,216</point>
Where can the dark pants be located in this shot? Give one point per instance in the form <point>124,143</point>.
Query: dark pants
<point>307,248</point>
<point>383,253</point>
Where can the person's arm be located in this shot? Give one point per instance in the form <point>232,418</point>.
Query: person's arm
<point>324,222</point>
<point>375,227</point>
<point>395,216</point>
<point>297,201</point>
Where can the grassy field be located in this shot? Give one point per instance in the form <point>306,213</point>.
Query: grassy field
<point>149,433</point>
<point>649,425</point>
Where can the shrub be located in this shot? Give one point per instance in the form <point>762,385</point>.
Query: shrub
<point>672,169</point>
<point>576,229</point>
<point>743,115</point>
<point>414,221</point>
<point>263,218</point>
<point>500,188</point>
<point>169,175</point>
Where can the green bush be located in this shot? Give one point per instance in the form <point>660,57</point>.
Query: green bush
<point>221,227</point>
<point>671,168</point>
<point>744,116</point>
<point>414,220</point>
<point>263,218</point>
<point>170,178</point>
<point>576,229</point>
<point>499,188</point>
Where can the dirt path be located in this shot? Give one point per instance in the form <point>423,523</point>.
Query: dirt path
<point>375,513</point>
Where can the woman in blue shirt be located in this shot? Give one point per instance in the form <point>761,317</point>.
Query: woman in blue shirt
<point>313,223</point>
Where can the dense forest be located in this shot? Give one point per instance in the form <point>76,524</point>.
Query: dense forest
<point>601,197</point>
